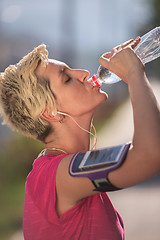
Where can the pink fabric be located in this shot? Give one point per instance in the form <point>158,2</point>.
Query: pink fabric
<point>94,218</point>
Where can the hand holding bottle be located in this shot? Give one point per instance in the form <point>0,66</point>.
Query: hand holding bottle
<point>147,50</point>
<point>122,60</point>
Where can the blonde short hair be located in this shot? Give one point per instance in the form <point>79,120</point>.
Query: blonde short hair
<point>24,96</point>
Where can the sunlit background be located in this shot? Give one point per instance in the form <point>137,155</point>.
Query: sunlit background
<point>77,32</point>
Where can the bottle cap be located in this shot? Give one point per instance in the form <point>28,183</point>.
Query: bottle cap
<point>95,81</point>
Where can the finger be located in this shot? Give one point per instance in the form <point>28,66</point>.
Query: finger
<point>119,47</point>
<point>123,45</point>
<point>135,42</point>
<point>106,55</point>
<point>104,59</point>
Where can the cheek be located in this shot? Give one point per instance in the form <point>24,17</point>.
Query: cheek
<point>68,100</point>
<point>88,102</point>
<point>74,104</point>
<point>76,101</point>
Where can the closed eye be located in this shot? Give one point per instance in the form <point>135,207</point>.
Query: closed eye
<point>68,79</point>
<point>66,75</point>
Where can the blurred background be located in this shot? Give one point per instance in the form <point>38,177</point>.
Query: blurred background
<point>77,32</point>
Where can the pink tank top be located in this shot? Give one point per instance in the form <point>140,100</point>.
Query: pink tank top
<point>94,218</point>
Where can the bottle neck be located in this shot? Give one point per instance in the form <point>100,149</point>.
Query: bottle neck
<point>95,81</point>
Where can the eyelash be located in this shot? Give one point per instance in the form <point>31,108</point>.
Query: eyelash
<point>68,79</point>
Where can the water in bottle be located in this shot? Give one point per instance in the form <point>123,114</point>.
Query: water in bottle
<point>147,50</point>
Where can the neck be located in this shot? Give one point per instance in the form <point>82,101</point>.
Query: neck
<point>69,137</point>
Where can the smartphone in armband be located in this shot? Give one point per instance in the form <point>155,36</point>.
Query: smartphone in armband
<point>96,164</point>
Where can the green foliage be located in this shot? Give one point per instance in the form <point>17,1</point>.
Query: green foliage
<point>16,158</point>
<point>11,208</point>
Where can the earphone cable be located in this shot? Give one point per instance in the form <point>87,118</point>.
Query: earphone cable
<point>94,135</point>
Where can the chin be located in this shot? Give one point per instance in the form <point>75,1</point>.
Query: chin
<point>104,95</point>
<point>101,99</point>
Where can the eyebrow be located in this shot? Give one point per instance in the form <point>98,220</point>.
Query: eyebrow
<point>62,69</point>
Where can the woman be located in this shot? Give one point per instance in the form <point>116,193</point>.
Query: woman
<point>49,101</point>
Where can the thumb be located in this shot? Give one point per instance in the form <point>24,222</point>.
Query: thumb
<point>105,59</point>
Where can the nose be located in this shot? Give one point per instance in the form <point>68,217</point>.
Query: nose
<point>82,74</point>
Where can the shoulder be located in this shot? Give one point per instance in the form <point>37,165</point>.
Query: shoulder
<point>70,190</point>
<point>43,173</point>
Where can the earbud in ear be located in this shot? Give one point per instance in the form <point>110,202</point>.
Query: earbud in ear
<point>62,113</point>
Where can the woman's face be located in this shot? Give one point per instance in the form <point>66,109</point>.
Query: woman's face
<point>74,94</point>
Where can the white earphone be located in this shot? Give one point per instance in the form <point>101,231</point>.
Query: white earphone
<point>54,114</point>
<point>94,135</point>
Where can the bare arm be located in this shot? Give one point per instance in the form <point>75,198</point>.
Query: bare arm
<point>143,159</point>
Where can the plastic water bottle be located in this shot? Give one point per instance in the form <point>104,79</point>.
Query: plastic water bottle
<point>147,50</point>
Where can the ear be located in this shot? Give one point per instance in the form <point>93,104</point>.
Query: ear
<point>50,117</point>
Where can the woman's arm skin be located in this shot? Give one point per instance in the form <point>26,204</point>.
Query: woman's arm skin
<point>143,159</point>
